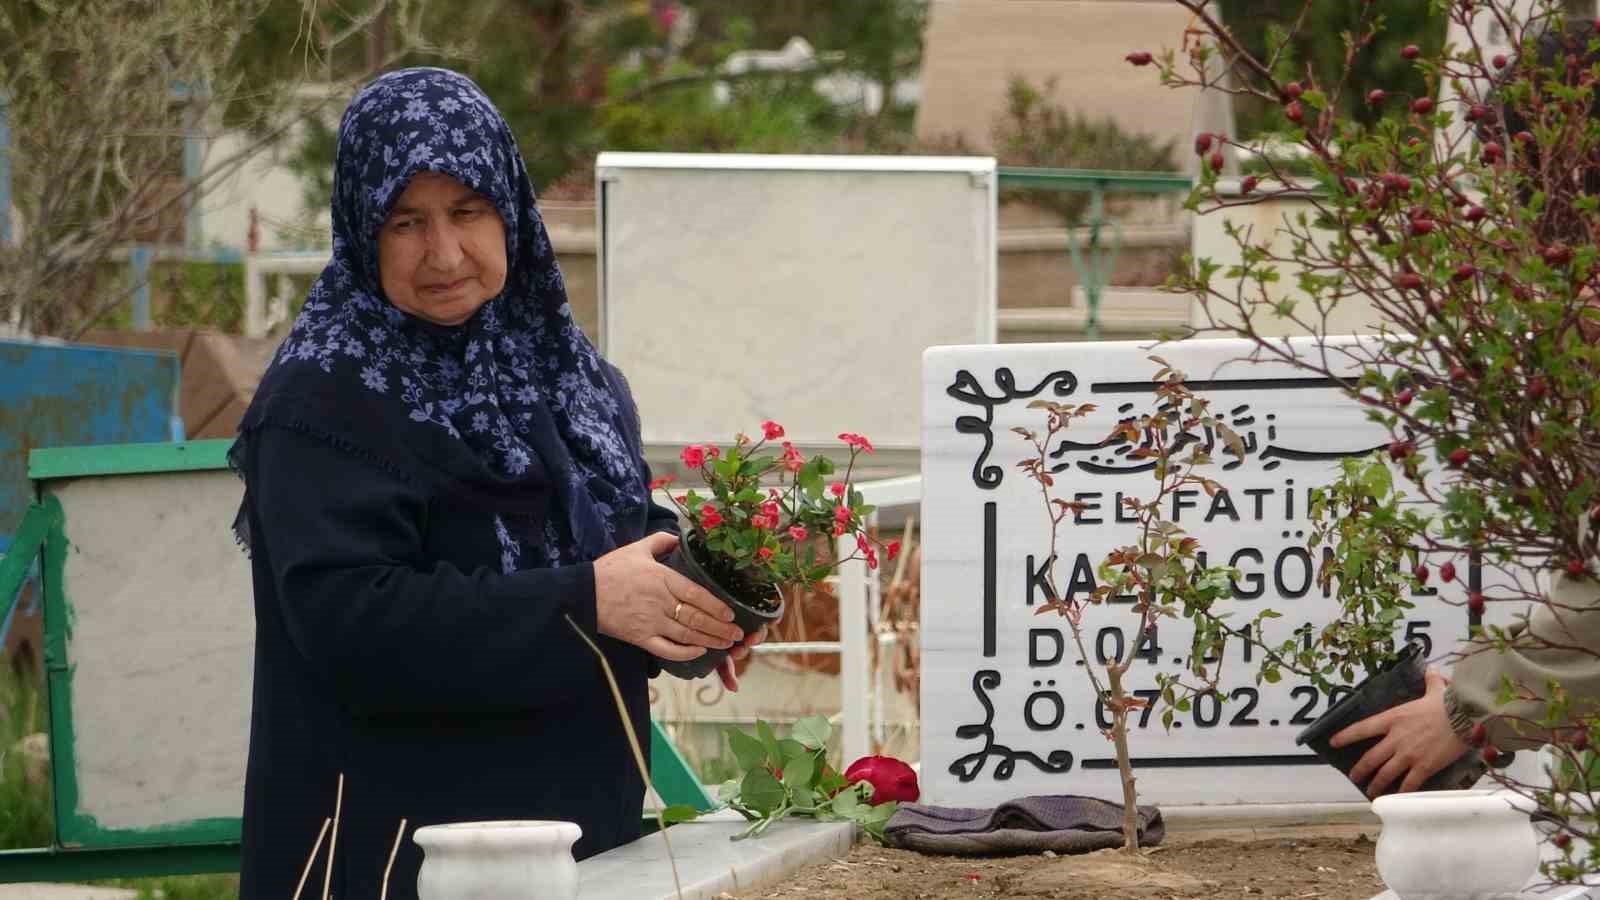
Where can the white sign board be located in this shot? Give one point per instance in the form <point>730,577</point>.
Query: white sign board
<point>738,288</point>
<point>1007,710</point>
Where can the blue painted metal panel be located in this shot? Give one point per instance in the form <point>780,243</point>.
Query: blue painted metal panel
<point>62,396</point>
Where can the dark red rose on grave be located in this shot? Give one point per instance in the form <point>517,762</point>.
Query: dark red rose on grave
<point>1405,397</point>
<point>1421,227</point>
<point>890,778</point>
<point>1247,185</point>
<point>1476,214</point>
<point>1202,143</point>
<point>1499,61</point>
<point>1139,58</point>
<point>1216,162</point>
<point>1465,271</point>
<point>1294,112</point>
<point>1475,603</point>
<point>1421,574</point>
<point>1294,90</point>
<point>1422,106</point>
<point>1376,96</point>
<point>1411,51</point>
<point>1447,572</point>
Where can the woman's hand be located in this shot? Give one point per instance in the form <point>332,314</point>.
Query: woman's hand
<point>641,601</point>
<point>1417,741</point>
<point>725,669</point>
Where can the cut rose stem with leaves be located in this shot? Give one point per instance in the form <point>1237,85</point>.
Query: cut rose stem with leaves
<point>791,776</point>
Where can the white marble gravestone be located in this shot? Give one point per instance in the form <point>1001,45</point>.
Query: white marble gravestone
<point>1006,709</point>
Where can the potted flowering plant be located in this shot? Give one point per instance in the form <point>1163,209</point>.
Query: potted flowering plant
<point>769,519</point>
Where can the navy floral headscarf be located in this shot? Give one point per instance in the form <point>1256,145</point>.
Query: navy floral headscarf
<point>502,408</point>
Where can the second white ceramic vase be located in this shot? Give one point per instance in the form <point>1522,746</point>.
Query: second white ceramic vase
<point>498,861</point>
<point>1456,845</point>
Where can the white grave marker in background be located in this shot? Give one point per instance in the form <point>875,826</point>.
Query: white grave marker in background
<point>742,287</point>
<point>1006,709</point>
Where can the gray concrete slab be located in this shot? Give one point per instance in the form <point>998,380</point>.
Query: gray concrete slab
<point>708,862</point>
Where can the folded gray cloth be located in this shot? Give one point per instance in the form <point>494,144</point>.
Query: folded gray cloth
<point>1065,823</point>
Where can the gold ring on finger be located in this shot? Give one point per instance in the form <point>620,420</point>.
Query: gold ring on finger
<point>677,609</point>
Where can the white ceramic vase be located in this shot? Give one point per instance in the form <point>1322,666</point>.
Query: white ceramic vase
<point>498,861</point>
<point>1456,845</point>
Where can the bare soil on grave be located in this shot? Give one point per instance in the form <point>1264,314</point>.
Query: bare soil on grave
<point>1323,863</point>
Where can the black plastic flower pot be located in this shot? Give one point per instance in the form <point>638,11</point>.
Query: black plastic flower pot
<point>1400,682</point>
<point>747,617</point>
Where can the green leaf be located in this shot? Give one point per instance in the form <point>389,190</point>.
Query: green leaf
<point>761,792</point>
<point>680,812</point>
<point>813,731</point>
<point>746,749</point>
<point>792,750</point>
<point>797,772</point>
<point>1377,480</point>
<point>728,790</point>
<point>769,741</point>
<point>845,803</point>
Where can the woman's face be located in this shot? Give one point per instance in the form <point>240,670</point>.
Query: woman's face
<point>442,251</point>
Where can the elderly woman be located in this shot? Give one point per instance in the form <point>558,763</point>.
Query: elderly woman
<point>443,480</point>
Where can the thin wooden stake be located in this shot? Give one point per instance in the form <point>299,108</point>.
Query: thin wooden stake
<point>312,858</point>
<point>393,852</point>
<point>333,842</point>
<point>633,743</point>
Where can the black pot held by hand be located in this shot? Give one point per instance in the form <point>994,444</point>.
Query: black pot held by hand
<point>753,603</point>
<point>1402,681</point>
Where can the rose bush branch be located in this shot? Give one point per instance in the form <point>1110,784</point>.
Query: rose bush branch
<point>1467,223</point>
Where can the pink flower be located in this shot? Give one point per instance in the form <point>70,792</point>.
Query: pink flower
<point>759,521</point>
<point>694,456</point>
<point>661,482</point>
<point>764,554</point>
<point>861,543</point>
<point>890,778</point>
<point>836,489</point>
<point>712,451</point>
<point>838,530</point>
<point>772,430</point>
<point>841,514</point>
<point>856,440</point>
<point>797,532</point>
<point>770,510</point>
<point>792,460</point>
<point>894,550</point>
<point>709,517</point>
<point>872,558</point>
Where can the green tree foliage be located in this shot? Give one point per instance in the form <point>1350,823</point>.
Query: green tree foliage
<point>1318,47</point>
<point>574,77</point>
